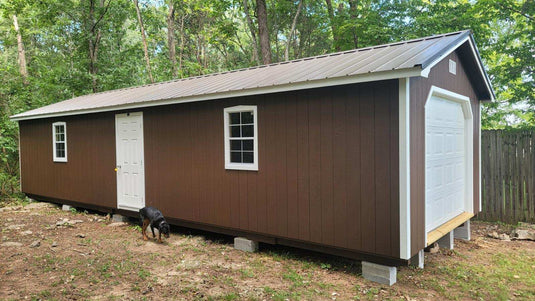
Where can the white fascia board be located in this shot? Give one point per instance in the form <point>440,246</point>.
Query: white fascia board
<point>404,170</point>
<point>480,176</point>
<point>359,78</point>
<point>427,70</point>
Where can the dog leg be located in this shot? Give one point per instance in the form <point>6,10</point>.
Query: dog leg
<point>159,237</point>
<point>144,229</point>
<point>152,228</point>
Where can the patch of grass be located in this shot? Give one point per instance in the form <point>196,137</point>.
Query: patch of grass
<point>324,286</point>
<point>228,280</point>
<point>143,274</point>
<point>281,295</point>
<point>45,294</point>
<point>372,292</point>
<point>231,296</point>
<point>257,264</point>
<point>492,281</point>
<point>104,270</point>
<point>280,256</point>
<point>135,228</point>
<point>246,273</point>
<point>73,210</point>
<point>295,278</point>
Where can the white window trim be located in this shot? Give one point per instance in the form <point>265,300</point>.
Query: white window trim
<point>59,159</point>
<point>240,166</point>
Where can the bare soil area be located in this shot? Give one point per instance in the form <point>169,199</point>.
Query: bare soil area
<point>49,254</point>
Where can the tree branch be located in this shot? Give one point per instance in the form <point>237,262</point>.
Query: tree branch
<point>101,16</point>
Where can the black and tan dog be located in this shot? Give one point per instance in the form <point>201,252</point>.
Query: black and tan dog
<point>153,217</point>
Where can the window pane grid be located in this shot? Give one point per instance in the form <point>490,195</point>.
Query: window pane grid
<point>60,142</point>
<point>241,136</point>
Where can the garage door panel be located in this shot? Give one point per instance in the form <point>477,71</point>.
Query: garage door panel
<point>445,161</point>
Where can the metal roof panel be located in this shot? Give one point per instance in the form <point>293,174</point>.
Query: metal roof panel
<point>379,59</point>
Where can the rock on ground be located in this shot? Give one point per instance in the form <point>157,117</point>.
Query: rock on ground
<point>502,236</point>
<point>523,234</point>
<point>118,224</point>
<point>39,205</point>
<point>11,244</point>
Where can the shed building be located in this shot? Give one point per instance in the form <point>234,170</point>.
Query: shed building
<point>371,154</point>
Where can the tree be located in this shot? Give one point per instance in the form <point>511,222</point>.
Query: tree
<point>263,31</point>
<point>250,25</point>
<point>333,25</point>
<point>286,51</point>
<point>72,48</point>
<point>144,38</point>
<point>171,37</point>
<point>94,36</point>
<point>353,15</point>
<point>22,53</point>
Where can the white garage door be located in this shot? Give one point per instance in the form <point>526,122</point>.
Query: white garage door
<point>445,155</point>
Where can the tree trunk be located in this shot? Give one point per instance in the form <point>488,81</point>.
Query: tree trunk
<point>144,39</point>
<point>94,36</point>
<point>21,51</point>
<point>94,41</point>
<point>294,23</point>
<point>353,14</point>
<point>336,44</point>
<point>181,43</point>
<point>250,24</point>
<point>171,37</point>
<point>263,31</point>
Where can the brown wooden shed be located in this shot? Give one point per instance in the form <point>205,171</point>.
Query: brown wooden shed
<point>371,153</point>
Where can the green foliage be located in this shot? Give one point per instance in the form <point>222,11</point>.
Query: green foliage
<point>213,36</point>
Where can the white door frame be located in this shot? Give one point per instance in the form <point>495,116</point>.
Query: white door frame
<point>469,143</point>
<point>117,167</point>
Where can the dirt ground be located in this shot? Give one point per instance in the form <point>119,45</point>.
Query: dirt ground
<point>49,254</point>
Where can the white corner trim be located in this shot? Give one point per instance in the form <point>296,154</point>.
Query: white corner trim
<point>54,157</point>
<point>469,142</point>
<point>404,170</point>
<point>20,164</point>
<point>226,124</point>
<point>480,154</point>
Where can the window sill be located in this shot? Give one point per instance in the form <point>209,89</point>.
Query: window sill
<point>59,160</point>
<point>251,167</point>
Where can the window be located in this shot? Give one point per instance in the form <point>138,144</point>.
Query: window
<point>59,141</point>
<point>241,138</point>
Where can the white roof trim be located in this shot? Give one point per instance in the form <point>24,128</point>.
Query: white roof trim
<point>425,72</point>
<point>359,78</point>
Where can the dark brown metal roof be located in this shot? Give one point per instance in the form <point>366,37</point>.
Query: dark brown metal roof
<point>388,61</point>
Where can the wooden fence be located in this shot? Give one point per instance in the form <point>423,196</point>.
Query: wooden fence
<point>508,176</point>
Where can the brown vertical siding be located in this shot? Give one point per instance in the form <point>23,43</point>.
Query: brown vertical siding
<point>87,177</point>
<point>419,91</point>
<point>328,166</point>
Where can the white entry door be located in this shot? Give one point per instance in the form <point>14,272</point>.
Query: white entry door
<point>447,156</point>
<point>130,161</point>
